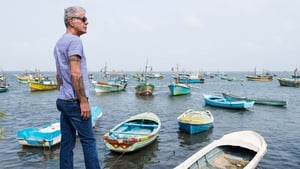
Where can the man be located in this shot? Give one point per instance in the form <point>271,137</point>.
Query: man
<point>72,101</point>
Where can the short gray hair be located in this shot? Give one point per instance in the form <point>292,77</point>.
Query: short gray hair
<point>72,12</point>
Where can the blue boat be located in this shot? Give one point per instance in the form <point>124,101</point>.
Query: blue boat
<point>195,121</point>
<point>49,134</point>
<point>45,136</point>
<point>96,114</point>
<point>179,89</point>
<point>218,101</point>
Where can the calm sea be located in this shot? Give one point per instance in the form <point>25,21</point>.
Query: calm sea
<point>279,126</point>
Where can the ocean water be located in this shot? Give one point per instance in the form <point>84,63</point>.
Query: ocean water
<point>278,125</point>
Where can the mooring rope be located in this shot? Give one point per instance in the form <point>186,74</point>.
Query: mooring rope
<point>120,156</point>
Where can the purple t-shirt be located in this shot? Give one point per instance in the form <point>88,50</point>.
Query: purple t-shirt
<point>69,45</point>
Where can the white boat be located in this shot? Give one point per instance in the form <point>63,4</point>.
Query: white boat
<point>109,86</point>
<point>241,149</point>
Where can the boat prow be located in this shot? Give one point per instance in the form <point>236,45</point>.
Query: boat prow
<point>241,149</point>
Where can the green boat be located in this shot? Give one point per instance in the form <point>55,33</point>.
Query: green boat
<point>271,102</point>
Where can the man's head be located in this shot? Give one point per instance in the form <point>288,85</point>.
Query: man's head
<point>75,20</point>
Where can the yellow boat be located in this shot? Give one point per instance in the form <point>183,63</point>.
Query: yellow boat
<point>43,85</point>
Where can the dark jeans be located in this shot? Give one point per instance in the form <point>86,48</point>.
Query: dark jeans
<point>70,122</point>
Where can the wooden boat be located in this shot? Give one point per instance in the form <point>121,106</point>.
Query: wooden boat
<point>3,87</point>
<point>260,78</point>
<point>96,114</point>
<point>109,86</point>
<point>134,133</point>
<point>241,149</point>
<point>144,89</point>
<point>195,121</point>
<point>179,89</point>
<point>271,102</point>
<point>45,136</point>
<point>264,76</point>
<point>27,77</point>
<point>218,101</point>
<point>176,88</point>
<point>42,85</point>
<point>190,78</point>
<point>289,82</point>
<point>48,135</point>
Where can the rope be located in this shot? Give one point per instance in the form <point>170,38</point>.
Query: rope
<point>116,160</point>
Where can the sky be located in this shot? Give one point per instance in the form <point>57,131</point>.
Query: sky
<point>196,35</point>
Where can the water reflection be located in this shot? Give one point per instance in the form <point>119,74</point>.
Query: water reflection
<point>132,160</point>
<point>190,139</point>
<point>34,154</point>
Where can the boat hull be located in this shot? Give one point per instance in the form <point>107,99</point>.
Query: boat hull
<point>289,82</point>
<point>270,102</point>
<point>42,87</point>
<point>3,88</point>
<point>193,121</point>
<point>134,133</point>
<point>144,89</point>
<point>107,88</point>
<point>260,78</point>
<point>46,136</point>
<point>242,149</point>
<point>179,89</point>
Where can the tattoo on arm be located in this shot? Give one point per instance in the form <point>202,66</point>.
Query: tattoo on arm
<point>81,90</point>
<point>79,86</point>
<point>75,59</point>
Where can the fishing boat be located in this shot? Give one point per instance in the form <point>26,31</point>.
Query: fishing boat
<point>264,76</point>
<point>27,77</point>
<point>45,136</point>
<point>3,87</point>
<point>179,89</point>
<point>241,149</point>
<point>134,133</point>
<point>271,102</point>
<point>3,84</point>
<point>176,88</point>
<point>109,86</point>
<point>43,85</point>
<point>195,121</point>
<point>289,82</point>
<point>260,78</point>
<point>219,101</point>
<point>144,89</point>
<point>190,78</point>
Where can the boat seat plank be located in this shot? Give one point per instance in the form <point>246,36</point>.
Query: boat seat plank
<point>141,125</point>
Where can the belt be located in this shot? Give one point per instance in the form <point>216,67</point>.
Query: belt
<point>70,100</point>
